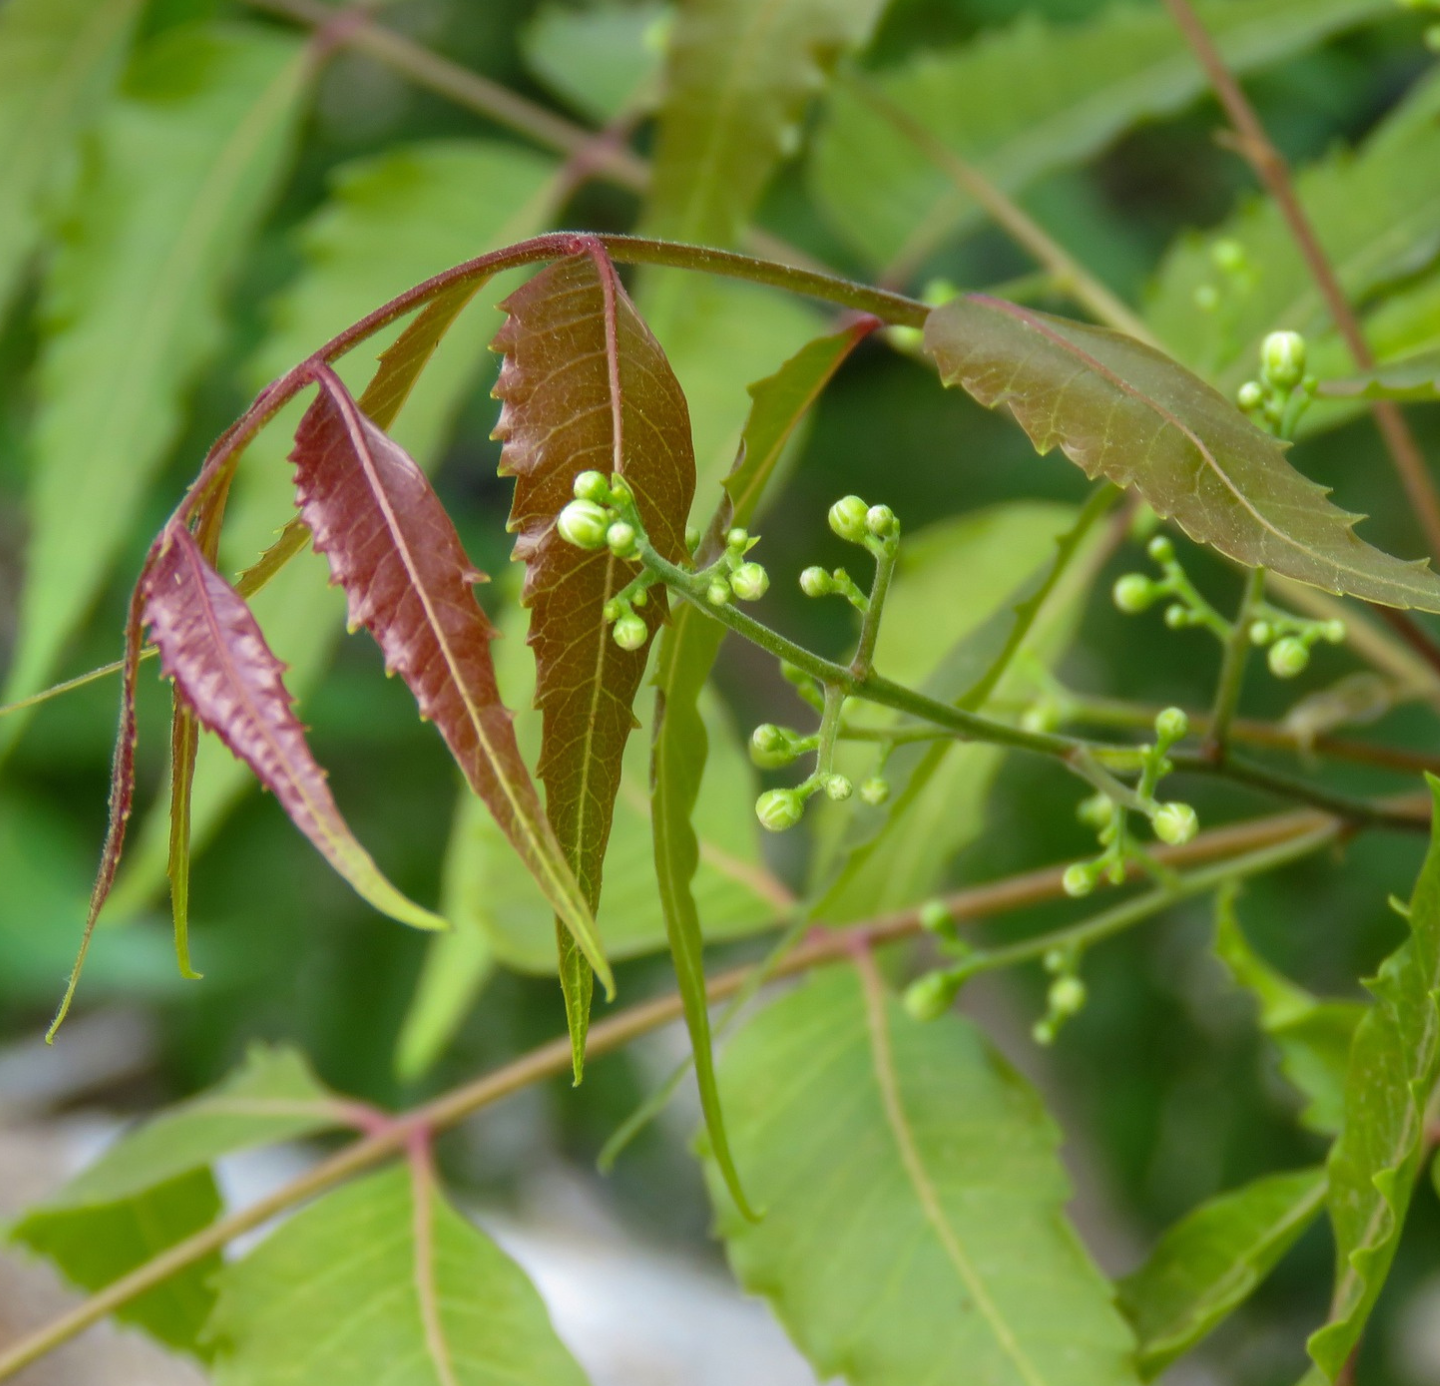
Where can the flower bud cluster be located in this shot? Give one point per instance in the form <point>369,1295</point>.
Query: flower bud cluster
<point>872,526</point>
<point>1284,390</point>
<point>1290,639</point>
<point>1066,996</point>
<point>734,575</point>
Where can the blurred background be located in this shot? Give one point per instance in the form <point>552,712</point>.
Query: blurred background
<point>140,315</point>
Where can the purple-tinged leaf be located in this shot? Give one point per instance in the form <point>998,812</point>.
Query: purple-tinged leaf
<point>212,647</point>
<point>584,385</point>
<point>407,580</point>
<point>1125,411</point>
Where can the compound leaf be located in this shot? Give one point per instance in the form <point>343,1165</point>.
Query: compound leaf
<point>584,385</point>
<point>212,647</point>
<point>1122,410</point>
<point>1394,1067</point>
<point>955,1261</point>
<point>383,1280</point>
<point>1212,1260</point>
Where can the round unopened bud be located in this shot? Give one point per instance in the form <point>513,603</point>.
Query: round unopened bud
<point>1058,960</point>
<point>1333,632</point>
<point>816,582</point>
<point>1228,255</point>
<point>1250,396</point>
<point>620,491</point>
<point>838,787</point>
<point>779,809</point>
<point>936,919</point>
<point>1288,657</point>
<point>1042,716</point>
<point>1160,548</point>
<point>1175,824</point>
<point>1261,633</point>
<point>692,538</point>
<point>875,791</point>
<point>737,538</point>
<point>881,522</point>
<point>621,539</point>
<point>1078,880</point>
<point>771,747</point>
<point>1172,724</point>
<point>1282,359</point>
<point>749,582</point>
<point>1043,1033</point>
<point>930,996</point>
<point>1067,996</point>
<point>1095,811</point>
<point>611,610</point>
<point>631,632</point>
<point>592,486</point>
<point>583,523</point>
<point>718,593</point>
<point>1176,616</point>
<point>847,518</point>
<point>640,598</point>
<point>1134,593</point>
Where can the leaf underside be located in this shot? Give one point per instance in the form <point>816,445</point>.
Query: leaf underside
<point>1124,411</point>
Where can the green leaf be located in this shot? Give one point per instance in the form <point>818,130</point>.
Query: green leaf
<point>739,77</point>
<point>1120,409</point>
<point>58,61</point>
<point>383,1280</point>
<point>1024,101</point>
<point>1213,1260</point>
<point>605,61</point>
<point>1374,212</point>
<point>187,160</point>
<point>1394,1068</point>
<point>153,1187</point>
<point>1313,1036</point>
<point>585,385</point>
<point>914,1224</point>
<point>392,221</point>
<point>1416,377</point>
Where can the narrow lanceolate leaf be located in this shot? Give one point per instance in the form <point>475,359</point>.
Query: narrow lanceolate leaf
<point>681,746</point>
<point>1314,1037</point>
<point>383,1281</point>
<point>739,77</point>
<point>1416,377</point>
<point>154,1186</point>
<point>1212,1260</point>
<point>1394,1068</point>
<point>956,1262</point>
<point>1026,100</point>
<point>58,58</point>
<point>185,163</point>
<point>584,386</point>
<point>1124,411</point>
<point>407,580</point>
<point>212,647</point>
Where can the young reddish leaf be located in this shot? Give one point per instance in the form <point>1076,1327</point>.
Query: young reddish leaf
<point>394,550</point>
<point>212,647</point>
<point>1122,410</point>
<point>584,385</point>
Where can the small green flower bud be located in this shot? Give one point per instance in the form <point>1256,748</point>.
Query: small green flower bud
<point>1176,616</point>
<point>1057,960</point>
<point>1228,254</point>
<point>838,788</point>
<point>1134,593</point>
<point>929,997</point>
<point>611,611</point>
<point>1172,725</point>
<point>1078,880</point>
<point>1067,996</point>
<point>620,492</point>
<point>771,747</point>
<point>692,539</point>
<point>630,632</point>
<point>1043,716</point>
<point>779,809</point>
<point>640,598</point>
<point>749,582</point>
<point>1333,632</point>
<point>816,582</point>
<point>1043,1033</point>
<point>1282,358</point>
<point>881,522</point>
<point>1288,657</point>
<point>718,593</point>
<point>875,791</point>
<point>737,538</point>
<point>592,486</point>
<point>1261,633</point>
<point>1206,297</point>
<point>621,539</point>
<point>936,919</point>
<point>1175,824</point>
<point>1250,396</point>
<point>1095,811</point>
<point>1160,548</point>
<point>847,518</point>
<point>583,523</point>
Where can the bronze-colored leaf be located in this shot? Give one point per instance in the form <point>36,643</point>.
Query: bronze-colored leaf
<point>1125,411</point>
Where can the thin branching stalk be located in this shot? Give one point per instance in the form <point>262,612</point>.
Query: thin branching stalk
<point>1232,670</point>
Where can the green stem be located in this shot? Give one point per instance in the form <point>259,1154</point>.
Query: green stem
<point>864,659</point>
<point>1232,670</point>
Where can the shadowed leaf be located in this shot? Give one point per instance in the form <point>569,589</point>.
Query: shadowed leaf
<point>212,647</point>
<point>1417,377</point>
<point>585,386</point>
<point>1212,1260</point>
<point>1394,1067</point>
<point>1124,411</point>
<point>407,580</point>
